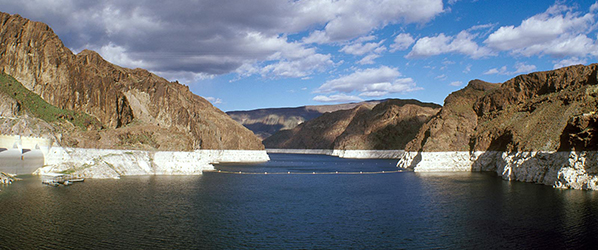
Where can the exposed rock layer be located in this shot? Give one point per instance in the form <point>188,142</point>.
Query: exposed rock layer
<point>388,125</point>
<point>110,163</point>
<point>539,127</point>
<point>153,109</point>
<point>527,113</point>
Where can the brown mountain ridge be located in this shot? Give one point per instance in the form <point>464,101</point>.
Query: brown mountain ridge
<point>385,126</point>
<point>541,111</point>
<point>136,108</point>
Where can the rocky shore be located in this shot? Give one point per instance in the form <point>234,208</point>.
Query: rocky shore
<point>574,170</point>
<point>6,178</point>
<point>111,163</point>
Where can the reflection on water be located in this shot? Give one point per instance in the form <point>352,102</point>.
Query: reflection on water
<point>384,211</point>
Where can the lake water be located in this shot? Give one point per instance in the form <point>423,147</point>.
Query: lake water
<point>298,211</point>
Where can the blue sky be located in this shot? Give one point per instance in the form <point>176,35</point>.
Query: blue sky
<point>272,53</point>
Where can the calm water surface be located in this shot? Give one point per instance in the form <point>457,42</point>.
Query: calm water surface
<point>298,211</point>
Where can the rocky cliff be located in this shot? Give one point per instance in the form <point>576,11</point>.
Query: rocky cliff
<point>540,127</point>
<point>388,125</point>
<point>266,122</point>
<point>136,108</point>
<point>547,111</point>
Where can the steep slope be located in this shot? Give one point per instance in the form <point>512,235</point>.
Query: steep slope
<point>388,125</point>
<point>136,108</point>
<point>528,112</point>
<point>540,127</point>
<point>265,122</point>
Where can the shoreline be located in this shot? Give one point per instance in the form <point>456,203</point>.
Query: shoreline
<point>113,163</point>
<point>350,154</point>
<point>565,170</point>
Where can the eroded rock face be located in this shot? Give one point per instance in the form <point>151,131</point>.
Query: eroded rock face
<point>540,127</point>
<point>9,107</point>
<point>388,125</point>
<point>527,113</point>
<point>118,97</point>
<point>452,128</point>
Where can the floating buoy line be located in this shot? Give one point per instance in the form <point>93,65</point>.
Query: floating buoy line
<point>295,173</point>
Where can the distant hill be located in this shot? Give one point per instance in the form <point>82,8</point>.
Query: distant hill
<point>88,102</point>
<point>265,122</point>
<point>390,124</point>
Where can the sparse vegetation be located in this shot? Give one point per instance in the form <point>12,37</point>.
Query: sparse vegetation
<point>143,138</point>
<point>36,106</point>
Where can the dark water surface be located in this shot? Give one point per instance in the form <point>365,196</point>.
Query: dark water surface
<point>298,211</point>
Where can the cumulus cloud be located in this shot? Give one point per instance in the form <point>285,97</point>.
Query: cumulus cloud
<point>456,83</point>
<point>213,100</point>
<point>363,48</point>
<point>462,43</point>
<point>568,62</point>
<point>337,98</point>
<point>402,42</point>
<point>370,82</point>
<point>359,47</point>
<point>559,31</point>
<point>520,68</point>
<point>211,37</point>
<point>493,71</point>
<point>347,19</point>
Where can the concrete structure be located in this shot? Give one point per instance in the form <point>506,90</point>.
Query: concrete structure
<point>25,143</point>
<point>22,154</point>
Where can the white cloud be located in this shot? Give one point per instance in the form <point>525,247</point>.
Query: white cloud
<point>402,42</point>
<point>467,68</point>
<point>359,48</point>
<point>493,71</point>
<point>461,43</point>
<point>185,77</point>
<point>559,31</point>
<point>523,68</point>
<point>363,48</point>
<point>456,83</point>
<point>118,55</point>
<point>520,68</point>
<point>213,100</point>
<point>286,59</point>
<point>569,62</point>
<point>347,19</point>
<point>213,37</point>
<point>337,98</point>
<point>369,59</point>
<point>370,82</point>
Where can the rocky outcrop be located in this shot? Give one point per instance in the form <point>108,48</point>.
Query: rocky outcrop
<point>6,178</point>
<point>386,126</point>
<point>562,169</point>
<point>265,122</point>
<point>137,108</point>
<point>9,107</point>
<point>539,127</point>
